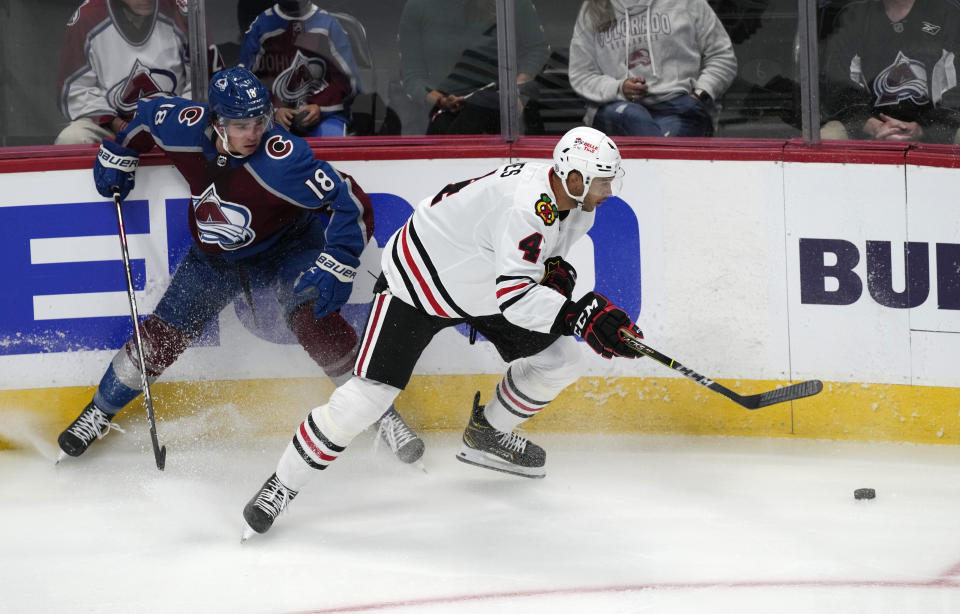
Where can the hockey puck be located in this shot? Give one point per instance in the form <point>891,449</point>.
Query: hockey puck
<point>864,493</point>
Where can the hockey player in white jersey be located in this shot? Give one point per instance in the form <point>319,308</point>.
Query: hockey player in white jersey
<point>486,251</point>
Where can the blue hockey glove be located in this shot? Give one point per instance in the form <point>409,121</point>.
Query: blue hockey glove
<point>328,282</point>
<point>114,169</point>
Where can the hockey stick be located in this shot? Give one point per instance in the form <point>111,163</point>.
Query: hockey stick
<point>160,454</point>
<point>753,401</point>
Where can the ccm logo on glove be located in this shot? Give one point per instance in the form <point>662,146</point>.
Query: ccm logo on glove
<point>340,271</point>
<point>121,163</point>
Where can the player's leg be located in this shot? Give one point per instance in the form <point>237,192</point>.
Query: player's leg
<point>330,341</point>
<point>395,336</point>
<point>541,366</point>
<point>199,289</point>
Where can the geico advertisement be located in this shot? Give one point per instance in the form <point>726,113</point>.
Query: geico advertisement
<point>876,258</point>
<point>63,301</point>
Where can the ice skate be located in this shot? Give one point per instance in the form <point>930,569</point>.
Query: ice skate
<point>92,423</point>
<point>265,506</point>
<point>487,447</point>
<point>402,440</point>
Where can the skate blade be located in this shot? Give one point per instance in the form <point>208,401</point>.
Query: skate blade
<point>489,461</point>
<point>247,533</point>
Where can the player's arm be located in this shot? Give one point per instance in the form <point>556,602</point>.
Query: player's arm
<point>525,243</point>
<point>330,280</point>
<point>118,159</point>
<point>546,305</point>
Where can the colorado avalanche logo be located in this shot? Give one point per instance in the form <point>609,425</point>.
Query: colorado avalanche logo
<point>278,147</point>
<point>546,210</point>
<point>905,79</point>
<point>142,82</point>
<point>190,115</point>
<point>304,77</point>
<point>222,223</point>
<point>639,57</point>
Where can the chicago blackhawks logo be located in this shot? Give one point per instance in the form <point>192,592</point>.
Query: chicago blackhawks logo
<point>304,77</point>
<point>546,210</point>
<point>142,82</point>
<point>222,223</point>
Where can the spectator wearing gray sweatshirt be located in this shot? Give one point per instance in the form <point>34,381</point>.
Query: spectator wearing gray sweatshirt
<point>650,67</point>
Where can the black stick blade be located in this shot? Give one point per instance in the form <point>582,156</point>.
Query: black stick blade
<point>788,393</point>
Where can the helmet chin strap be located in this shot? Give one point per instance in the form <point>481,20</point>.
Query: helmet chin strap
<point>578,199</point>
<point>223,141</point>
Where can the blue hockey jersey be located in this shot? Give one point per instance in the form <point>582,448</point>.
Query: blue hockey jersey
<point>302,60</point>
<point>239,207</point>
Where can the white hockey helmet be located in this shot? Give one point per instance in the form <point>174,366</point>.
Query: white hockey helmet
<point>588,151</point>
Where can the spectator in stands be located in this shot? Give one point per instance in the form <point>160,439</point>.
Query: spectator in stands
<point>247,11</point>
<point>650,68</point>
<point>116,52</point>
<point>891,72</point>
<point>303,56</point>
<point>448,61</point>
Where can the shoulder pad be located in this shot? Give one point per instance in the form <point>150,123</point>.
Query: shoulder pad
<point>173,119</point>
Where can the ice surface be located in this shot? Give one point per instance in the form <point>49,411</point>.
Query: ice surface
<point>621,524</point>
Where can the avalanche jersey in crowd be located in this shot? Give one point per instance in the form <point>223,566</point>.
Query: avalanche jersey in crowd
<point>479,246</point>
<point>907,70</point>
<point>107,64</point>
<point>240,207</point>
<point>302,60</point>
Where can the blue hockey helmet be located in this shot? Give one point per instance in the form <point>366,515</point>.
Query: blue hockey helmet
<point>236,93</point>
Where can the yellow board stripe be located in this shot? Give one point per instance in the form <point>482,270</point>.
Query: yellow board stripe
<point>866,412</point>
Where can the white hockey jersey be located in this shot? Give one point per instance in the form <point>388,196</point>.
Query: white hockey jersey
<point>103,72</point>
<point>478,248</point>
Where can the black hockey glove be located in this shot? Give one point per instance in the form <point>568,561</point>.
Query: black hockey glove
<point>559,275</point>
<point>598,322</point>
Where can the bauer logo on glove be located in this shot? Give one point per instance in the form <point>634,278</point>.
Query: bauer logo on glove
<point>340,271</point>
<point>120,163</point>
<point>328,282</point>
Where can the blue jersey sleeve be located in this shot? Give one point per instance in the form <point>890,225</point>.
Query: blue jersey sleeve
<point>250,47</point>
<point>299,178</point>
<point>167,122</point>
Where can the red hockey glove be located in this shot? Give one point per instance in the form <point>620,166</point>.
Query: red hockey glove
<point>559,275</point>
<point>598,322</point>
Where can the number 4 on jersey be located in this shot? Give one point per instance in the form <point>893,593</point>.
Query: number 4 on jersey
<point>530,246</point>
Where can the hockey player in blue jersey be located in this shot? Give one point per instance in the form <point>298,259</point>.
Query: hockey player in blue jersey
<point>257,201</point>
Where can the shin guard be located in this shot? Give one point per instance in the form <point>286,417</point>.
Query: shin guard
<point>330,341</point>
<point>533,382</point>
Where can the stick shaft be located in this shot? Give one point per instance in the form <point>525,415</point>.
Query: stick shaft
<point>755,401</point>
<point>158,452</point>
